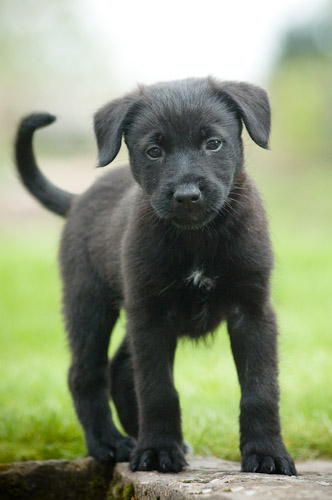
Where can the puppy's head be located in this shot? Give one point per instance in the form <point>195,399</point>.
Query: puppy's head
<point>184,142</point>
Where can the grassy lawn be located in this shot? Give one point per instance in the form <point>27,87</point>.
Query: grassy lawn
<point>37,419</point>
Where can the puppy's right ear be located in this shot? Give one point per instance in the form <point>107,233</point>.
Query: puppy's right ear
<point>109,125</point>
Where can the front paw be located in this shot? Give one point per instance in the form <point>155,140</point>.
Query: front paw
<point>117,450</point>
<point>169,458</point>
<point>269,462</point>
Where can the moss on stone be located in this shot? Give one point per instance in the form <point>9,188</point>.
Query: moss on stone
<point>115,490</point>
<point>128,491</point>
<point>120,491</point>
<point>96,486</point>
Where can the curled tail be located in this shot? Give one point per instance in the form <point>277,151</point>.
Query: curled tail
<point>52,197</point>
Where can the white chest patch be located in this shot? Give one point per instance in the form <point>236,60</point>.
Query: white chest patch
<point>198,279</point>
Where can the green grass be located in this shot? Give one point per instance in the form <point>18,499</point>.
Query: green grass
<point>37,417</point>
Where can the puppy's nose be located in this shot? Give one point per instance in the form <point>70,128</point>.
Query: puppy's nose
<point>187,194</point>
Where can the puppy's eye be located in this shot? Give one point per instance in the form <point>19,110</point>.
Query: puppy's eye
<point>213,145</point>
<point>154,153</point>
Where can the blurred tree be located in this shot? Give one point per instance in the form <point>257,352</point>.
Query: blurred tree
<point>301,86</point>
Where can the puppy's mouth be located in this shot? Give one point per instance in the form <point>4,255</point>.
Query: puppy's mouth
<point>192,222</point>
<point>190,219</point>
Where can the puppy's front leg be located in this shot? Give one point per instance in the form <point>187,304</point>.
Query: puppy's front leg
<point>159,445</point>
<point>253,337</point>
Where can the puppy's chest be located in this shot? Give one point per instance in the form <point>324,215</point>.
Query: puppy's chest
<point>191,281</point>
<point>194,301</point>
<point>200,281</point>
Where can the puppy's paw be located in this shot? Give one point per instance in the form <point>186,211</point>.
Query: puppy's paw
<point>268,464</point>
<point>116,451</point>
<point>163,459</point>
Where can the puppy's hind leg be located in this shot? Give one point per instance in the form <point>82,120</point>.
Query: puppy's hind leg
<point>123,389</point>
<point>90,317</point>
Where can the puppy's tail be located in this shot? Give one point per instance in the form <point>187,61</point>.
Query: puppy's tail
<point>52,197</point>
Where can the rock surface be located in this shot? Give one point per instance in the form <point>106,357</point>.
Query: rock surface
<point>205,478</point>
<point>209,478</point>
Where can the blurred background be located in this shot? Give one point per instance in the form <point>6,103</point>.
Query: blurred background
<point>69,58</point>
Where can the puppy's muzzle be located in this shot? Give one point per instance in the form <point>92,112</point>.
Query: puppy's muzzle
<point>187,196</point>
<point>188,206</point>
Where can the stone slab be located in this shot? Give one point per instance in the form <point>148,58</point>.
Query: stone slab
<point>209,478</point>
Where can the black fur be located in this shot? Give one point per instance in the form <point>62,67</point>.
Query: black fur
<point>50,196</point>
<point>180,240</point>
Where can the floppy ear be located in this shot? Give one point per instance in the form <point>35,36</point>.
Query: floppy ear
<point>109,124</point>
<point>253,105</point>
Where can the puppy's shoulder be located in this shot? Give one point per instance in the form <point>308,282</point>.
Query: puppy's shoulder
<point>105,193</point>
<point>249,202</point>
<point>115,180</point>
<point>251,244</point>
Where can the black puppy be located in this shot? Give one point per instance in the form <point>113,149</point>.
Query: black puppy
<point>180,240</point>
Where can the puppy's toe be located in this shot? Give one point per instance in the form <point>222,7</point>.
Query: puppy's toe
<point>268,464</point>
<point>286,466</point>
<point>115,451</point>
<point>147,460</point>
<point>170,459</point>
<point>178,460</point>
<point>250,463</point>
<point>142,460</point>
<point>165,462</point>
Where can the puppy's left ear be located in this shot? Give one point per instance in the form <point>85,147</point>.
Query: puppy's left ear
<point>109,125</point>
<point>253,105</point>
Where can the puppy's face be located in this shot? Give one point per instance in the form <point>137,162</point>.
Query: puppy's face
<point>184,142</point>
<point>185,149</point>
